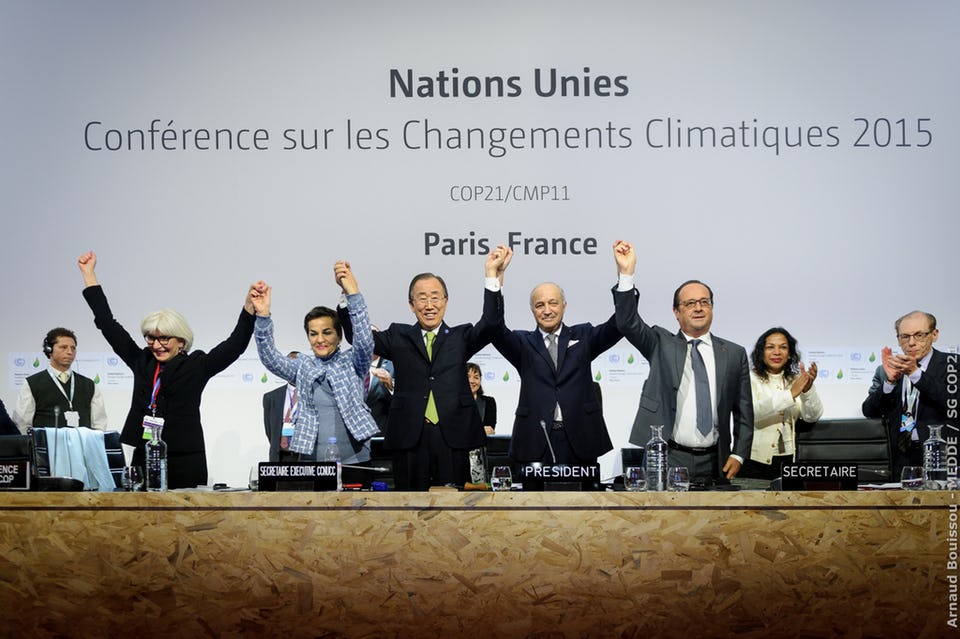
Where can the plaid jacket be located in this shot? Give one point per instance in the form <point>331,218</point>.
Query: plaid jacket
<point>345,371</point>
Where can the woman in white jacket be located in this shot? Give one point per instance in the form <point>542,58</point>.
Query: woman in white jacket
<point>783,392</point>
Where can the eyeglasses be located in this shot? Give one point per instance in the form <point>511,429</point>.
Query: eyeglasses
<point>423,300</point>
<point>706,302</point>
<point>919,336</point>
<point>163,339</point>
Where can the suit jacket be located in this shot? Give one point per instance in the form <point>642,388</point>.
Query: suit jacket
<point>487,407</point>
<point>273,418</point>
<point>181,385</point>
<point>666,352</point>
<point>542,386</point>
<point>445,375</point>
<point>936,405</point>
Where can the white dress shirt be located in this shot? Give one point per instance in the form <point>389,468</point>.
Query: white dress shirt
<point>26,406</point>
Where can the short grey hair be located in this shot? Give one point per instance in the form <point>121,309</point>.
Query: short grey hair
<point>167,321</point>
<point>563,296</point>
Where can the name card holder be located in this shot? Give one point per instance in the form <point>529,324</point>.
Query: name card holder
<point>538,477</point>
<point>15,475</point>
<point>818,476</point>
<point>305,476</point>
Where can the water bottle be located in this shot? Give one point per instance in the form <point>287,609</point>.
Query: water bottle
<point>656,460</point>
<point>331,453</point>
<point>935,461</point>
<point>156,452</point>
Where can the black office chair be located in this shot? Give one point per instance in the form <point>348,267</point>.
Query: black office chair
<point>41,459</point>
<point>853,441</point>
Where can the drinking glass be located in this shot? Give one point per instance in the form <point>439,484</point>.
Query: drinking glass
<point>911,478</point>
<point>634,478</point>
<point>678,479</point>
<point>132,478</point>
<point>501,478</point>
<point>253,481</point>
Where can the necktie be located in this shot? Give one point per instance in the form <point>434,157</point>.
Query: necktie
<point>552,348</point>
<point>64,377</point>
<point>431,412</point>
<point>292,410</point>
<point>701,385</point>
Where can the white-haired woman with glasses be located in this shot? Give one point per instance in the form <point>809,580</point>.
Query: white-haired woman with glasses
<point>168,378</point>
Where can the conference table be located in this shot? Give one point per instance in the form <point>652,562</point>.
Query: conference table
<point>479,564</point>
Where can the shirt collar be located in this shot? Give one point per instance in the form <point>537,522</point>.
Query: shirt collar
<point>56,374</point>
<point>706,338</point>
<point>557,332</point>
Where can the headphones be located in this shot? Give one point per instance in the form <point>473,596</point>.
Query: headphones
<point>47,345</point>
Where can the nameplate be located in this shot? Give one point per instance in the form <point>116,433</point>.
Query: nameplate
<point>555,477</point>
<point>819,476</point>
<point>297,476</point>
<point>15,475</point>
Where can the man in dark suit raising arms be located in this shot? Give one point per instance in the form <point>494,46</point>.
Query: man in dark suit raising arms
<point>697,381</point>
<point>559,418</point>
<point>433,421</point>
<point>910,391</point>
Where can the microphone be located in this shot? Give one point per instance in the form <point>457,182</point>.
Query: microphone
<point>376,469</point>
<point>543,426</point>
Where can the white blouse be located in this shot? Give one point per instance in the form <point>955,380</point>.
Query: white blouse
<point>775,412</point>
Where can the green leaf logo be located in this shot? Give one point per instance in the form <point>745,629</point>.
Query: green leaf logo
<point>872,357</point>
<point>630,359</point>
<point>506,376</point>
<point>840,374</point>
<point>263,379</point>
<point>96,380</point>
<point>36,363</point>
<point>597,377</point>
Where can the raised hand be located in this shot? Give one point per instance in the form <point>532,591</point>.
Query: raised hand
<point>88,264</point>
<point>258,299</point>
<point>890,365</point>
<point>497,262</point>
<point>811,376</point>
<point>343,275</point>
<point>625,257</point>
<point>804,380</point>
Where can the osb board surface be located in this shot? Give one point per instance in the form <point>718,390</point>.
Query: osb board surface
<point>867,564</point>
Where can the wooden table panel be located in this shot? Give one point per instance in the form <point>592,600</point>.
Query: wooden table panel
<point>746,564</point>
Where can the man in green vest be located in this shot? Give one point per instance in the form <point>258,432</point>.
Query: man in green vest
<point>58,396</point>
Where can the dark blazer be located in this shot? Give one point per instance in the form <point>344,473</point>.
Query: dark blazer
<point>273,418</point>
<point>487,407</point>
<point>181,385</point>
<point>570,384</point>
<point>446,376</point>
<point>666,352</point>
<point>934,407</point>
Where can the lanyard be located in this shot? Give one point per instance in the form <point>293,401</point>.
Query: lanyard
<point>156,387</point>
<point>910,393</point>
<point>56,382</point>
